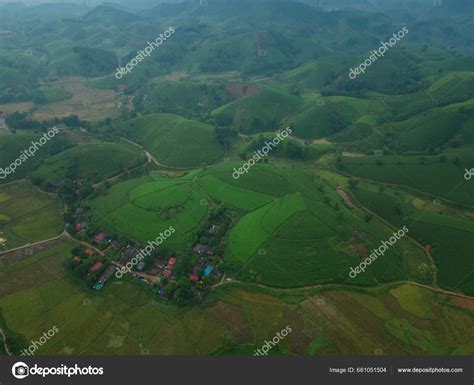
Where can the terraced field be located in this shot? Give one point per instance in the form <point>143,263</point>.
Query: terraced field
<point>288,234</point>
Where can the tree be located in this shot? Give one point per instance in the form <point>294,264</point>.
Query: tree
<point>353,182</point>
<point>398,208</point>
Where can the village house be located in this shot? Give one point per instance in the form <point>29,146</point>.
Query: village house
<point>202,249</point>
<point>96,266</point>
<point>194,277</point>
<point>214,229</point>
<point>100,237</point>
<point>104,277</point>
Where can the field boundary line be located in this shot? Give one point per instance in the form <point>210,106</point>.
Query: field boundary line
<point>345,286</point>
<point>5,342</point>
<point>34,244</point>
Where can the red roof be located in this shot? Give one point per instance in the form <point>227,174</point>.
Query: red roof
<point>100,236</point>
<point>167,273</point>
<point>171,261</point>
<point>170,267</point>
<point>193,277</point>
<point>96,266</point>
<point>78,227</point>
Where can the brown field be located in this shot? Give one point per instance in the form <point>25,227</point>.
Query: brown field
<point>10,108</point>
<point>87,103</point>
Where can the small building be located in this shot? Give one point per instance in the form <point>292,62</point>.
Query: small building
<point>131,252</point>
<point>194,277</point>
<point>202,249</point>
<point>84,225</point>
<point>96,266</point>
<point>98,285</point>
<point>171,261</point>
<point>100,236</point>
<point>167,273</point>
<point>104,277</point>
<point>89,252</point>
<point>208,270</point>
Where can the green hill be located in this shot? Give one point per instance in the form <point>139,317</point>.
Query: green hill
<point>184,97</point>
<point>173,140</point>
<point>259,112</point>
<point>97,161</point>
<point>440,175</point>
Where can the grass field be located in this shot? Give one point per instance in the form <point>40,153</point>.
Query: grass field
<point>30,216</point>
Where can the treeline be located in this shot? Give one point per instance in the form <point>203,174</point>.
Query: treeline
<point>288,148</point>
<point>21,121</point>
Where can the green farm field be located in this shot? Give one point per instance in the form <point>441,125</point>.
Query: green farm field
<point>27,216</point>
<point>158,146</point>
<point>440,175</point>
<point>124,319</point>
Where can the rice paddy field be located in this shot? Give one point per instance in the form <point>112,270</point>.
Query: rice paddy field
<point>27,215</point>
<point>124,319</point>
<point>87,103</point>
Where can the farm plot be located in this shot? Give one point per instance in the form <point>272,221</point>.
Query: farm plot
<point>27,215</point>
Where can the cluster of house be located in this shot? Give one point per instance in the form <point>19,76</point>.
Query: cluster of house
<point>162,266</point>
<point>202,265</point>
